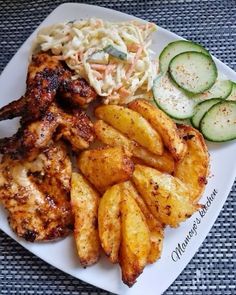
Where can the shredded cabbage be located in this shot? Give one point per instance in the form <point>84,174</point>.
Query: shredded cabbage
<point>78,43</point>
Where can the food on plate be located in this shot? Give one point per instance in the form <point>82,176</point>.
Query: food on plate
<point>193,71</point>
<point>36,194</point>
<point>171,99</point>
<point>84,203</point>
<point>143,172</point>
<point>154,225</point>
<point>115,58</point>
<point>221,89</point>
<point>201,109</point>
<point>135,240</point>
<point>164,163</point>
<point>188,88</point>
<point>112,137</point>
<point>133,125</point>
<point>167,197</point>
<point>232,95</point>
<point>175,48</point>
<point>109,222</point>
<point>105,166</point>
<point>163,125</point>
<point>31,138</point>
<point>218,123</point>
<point>46,77</point>
<point>196,162</point>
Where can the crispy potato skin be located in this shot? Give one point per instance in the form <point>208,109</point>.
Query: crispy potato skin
<point>105,167</point>
<point>167,197</point>
<point>164,163</point>
<point>84,202</point>
<point>155,226</point>
<point>109,222</point>
<point>133,125</point>
<point>193,170</point>
<point>164,125</point>
<point>112,137</point>
<point>135,240</point>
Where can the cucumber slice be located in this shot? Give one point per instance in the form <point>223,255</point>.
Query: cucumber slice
<point>194,72</point>
<point>221,89</point>
<point>175,48</point>
<point>232,95</point>
<point>201,109</point>
<point>113,51</point>
<point>219,122</point>
<point>171,99</point>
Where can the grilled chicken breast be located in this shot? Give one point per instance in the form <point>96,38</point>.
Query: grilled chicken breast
<point>37,194</point>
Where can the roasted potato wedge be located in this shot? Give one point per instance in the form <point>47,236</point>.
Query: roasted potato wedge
<point>164,163</point>
<point>164,125</point>
<point>155,226</point>
<point>193,170</point>
<point>105,167</point>
<point>167,197</point>
<point>84,203</point>
<point>133,125</point>
<point>135,240</point>
<point>110,136</point>
<point>109,222</point>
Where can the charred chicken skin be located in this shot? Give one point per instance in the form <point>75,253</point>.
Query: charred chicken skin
<point>37,194</point>
<point>31,138</point>
<point>47,76</point>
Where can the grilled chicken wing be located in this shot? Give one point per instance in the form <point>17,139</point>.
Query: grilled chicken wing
<point>36,194</point>
<point>47,75</point>
<point>31,138</point>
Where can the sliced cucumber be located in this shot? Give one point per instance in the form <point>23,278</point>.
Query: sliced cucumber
<point>113,51</point>
<point>219,122</point>
<point>221,89</point>
<point>194,72</point>
<point>201,109</point>
<point>232,95</point>
<point>175,48</point>
<point>171,99</point>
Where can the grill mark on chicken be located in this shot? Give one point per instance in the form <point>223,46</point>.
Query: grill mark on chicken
<point>47,76</point>
<point>37,194</point>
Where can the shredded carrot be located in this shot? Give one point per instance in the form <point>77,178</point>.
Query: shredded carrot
<point>146,26</point>
<point>110,68</point>
<point>98,67</point>
<point>132,66</point>
<point>133,47</point>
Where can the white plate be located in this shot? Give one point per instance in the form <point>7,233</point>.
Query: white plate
<point>158,277</point>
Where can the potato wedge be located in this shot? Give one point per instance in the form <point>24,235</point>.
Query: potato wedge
<point>110,136</point>
<point>193,170</point>
<point>133,125</point>
<point>155,227</point>
<point>164,163</point>
<point>105,167</point>
<point>164,125</point>
<point>135,240</point>
<point>109,222</point>
<point>84,203</point>
<point>167,197</point>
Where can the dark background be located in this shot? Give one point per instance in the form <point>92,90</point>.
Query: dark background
<point>213,269</point>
